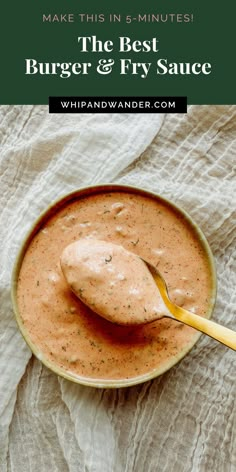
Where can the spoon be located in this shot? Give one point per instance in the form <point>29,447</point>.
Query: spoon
<point>214,330</point>
<point>122,287</point>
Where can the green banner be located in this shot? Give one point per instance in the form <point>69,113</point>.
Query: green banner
<point>88,48</point>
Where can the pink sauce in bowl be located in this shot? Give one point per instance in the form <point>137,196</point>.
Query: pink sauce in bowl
<point>69,337</point>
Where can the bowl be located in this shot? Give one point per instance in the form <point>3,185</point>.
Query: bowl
<point>115,337</point>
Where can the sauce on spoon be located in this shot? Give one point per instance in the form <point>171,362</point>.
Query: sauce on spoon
<point>113,282</point>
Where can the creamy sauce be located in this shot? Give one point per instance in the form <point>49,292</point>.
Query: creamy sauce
<point>71,335</point>
<point>113,282</point>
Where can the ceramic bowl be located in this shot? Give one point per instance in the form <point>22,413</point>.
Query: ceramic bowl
<point>43,218</point>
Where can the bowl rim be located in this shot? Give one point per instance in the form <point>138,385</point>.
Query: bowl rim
<point>44,216</point>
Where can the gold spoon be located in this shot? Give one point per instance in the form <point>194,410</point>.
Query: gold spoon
<point>214,330</point>
<point>88,266</point>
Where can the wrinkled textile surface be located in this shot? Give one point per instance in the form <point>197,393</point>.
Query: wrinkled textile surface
<point>183,421</point>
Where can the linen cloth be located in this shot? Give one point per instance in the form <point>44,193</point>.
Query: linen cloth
<point>183,421</point>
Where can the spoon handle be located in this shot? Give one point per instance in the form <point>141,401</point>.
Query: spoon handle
<point>221,333</point>
<point>224,335</point>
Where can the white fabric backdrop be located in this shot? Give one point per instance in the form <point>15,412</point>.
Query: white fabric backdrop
<point>183,421</point>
